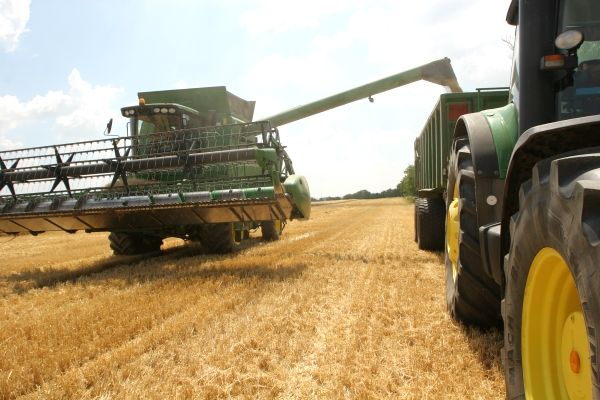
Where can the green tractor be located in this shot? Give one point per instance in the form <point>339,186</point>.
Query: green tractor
<point>522,238</point>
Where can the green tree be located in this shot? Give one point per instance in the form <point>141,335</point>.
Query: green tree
<point>406,187</point>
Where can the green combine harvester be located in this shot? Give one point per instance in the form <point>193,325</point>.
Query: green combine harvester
<point>193,165</point>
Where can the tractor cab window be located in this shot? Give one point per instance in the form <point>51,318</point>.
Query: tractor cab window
<point>583,97</point>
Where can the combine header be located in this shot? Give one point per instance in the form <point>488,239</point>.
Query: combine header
<point>192,165</point>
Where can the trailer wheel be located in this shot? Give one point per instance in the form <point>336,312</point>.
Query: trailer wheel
<point>472,297</point>
<point>271,230</point>
<point>430,215</point>
<point>218,238</point>
<point>128,244</point>
<point>416,223</point>
<point>552,306</point>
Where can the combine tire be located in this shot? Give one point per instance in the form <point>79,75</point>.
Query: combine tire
<point>218,238</point>
<point>472,297</point>
<point>430,215</point>
<point>271,230</point>
<point>129,244</point>
<point>552,306</point>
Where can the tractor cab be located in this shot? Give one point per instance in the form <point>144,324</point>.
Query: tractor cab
<point>578,42</point>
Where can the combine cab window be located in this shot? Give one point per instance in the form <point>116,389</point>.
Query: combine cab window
<point>583,98</point>
<point>159,123</point>
<point>161,133</point>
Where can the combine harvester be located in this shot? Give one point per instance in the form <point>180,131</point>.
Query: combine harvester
<point>192,166</point>
<point>522,202</point>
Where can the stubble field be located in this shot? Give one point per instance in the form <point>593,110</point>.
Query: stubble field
<point>344,306</point>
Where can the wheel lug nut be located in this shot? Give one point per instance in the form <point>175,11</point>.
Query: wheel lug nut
<point>575,362</point>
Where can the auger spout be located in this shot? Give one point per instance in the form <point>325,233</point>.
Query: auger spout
<point>439,72</point>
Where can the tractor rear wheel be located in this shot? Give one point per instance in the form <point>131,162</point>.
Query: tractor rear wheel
<point>430,216</point>
<point>472,296</point>
<point>128,244</point>
<point>218,238</point>
<point>271,230</point>
<point>552,306</point>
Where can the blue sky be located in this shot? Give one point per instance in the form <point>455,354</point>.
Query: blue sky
<point>66,68</point>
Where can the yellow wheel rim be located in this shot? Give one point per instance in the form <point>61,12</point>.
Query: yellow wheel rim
<point>278,226</point>
<point>556,355</point>
<point>452,232</point>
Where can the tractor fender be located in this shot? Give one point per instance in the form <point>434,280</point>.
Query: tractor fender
<point>492,134</point>
<point>538,143</point>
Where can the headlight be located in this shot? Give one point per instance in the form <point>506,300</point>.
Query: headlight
<point>156,110</point>
<point>164,110</point>
<point>172,110</point>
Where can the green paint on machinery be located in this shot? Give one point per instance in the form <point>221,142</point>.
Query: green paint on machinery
<point>192,165</point>
<point>432,146</point>
<point>432,149</point>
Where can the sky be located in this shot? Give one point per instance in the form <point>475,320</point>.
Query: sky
<point>68,66</point>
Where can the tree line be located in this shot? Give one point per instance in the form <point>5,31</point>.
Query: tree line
<point>406,188</point>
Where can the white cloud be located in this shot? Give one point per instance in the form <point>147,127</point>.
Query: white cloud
<point>79,113</point>
<point>7,144</point>
<point>181,84</point>
<point>270,16</point>
<point>14,15</point>
<point>349,44</point>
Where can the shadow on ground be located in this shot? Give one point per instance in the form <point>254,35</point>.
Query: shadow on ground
<point>149,267</point>
<point>486,345</point>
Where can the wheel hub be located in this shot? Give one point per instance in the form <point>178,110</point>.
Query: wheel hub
<point>573,347</point>
<point>556,356</point>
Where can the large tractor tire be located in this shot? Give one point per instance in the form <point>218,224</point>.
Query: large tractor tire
<point>430,214</point>
<point>129,244</point>
<point>271,230</point>
<point>552,306</point>
<point>218,238</point>
<point>472,296</point>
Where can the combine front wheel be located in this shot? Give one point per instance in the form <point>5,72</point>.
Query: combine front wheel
<point>271,230</point>
<point>218,238</point>
<point>552,304</point>
<point>128,244</point>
